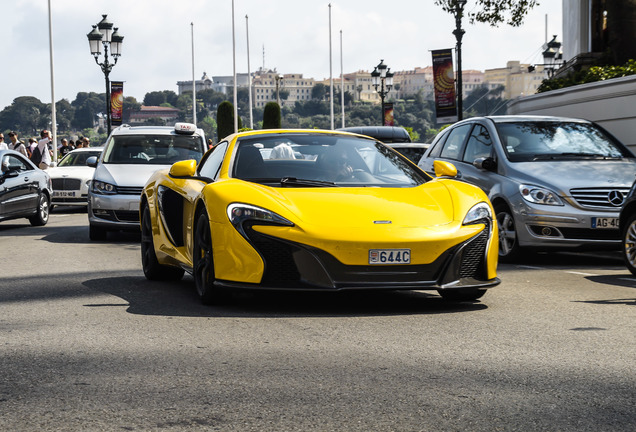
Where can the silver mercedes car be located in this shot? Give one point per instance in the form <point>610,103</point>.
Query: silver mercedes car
<point>554,182</point>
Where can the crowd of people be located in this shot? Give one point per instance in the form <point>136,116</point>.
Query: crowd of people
<point>40,151</point>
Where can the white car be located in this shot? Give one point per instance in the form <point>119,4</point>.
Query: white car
<point>131,155</point>
<point>72,176</point>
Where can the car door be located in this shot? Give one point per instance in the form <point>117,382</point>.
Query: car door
<point>479,146</point>
<point>18,190</point>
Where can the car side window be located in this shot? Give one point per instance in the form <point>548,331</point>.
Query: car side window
<point>479,144</point>
<point>12,163</point>
<point>453,146</point>
<point>437,145</point>
<point>212,165</point>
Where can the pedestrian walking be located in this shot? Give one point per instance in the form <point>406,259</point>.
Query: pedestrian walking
<point>41,156</point>
<point>3,145</point>
<point>16,144</point>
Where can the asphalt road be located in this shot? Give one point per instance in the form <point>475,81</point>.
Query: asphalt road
<point>86,344</point>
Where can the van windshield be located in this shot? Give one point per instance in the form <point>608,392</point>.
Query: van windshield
<point>548,140</point>
<point>153,149</point>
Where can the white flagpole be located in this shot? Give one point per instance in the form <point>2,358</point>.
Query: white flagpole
<point>342,100</point>
<point>234,69</point>
<point>249,73</point>
<point>194,85</point>
<point>330,71</point>
<point>53,109</point>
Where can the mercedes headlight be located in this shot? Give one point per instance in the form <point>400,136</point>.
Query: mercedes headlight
<point>539,195</point>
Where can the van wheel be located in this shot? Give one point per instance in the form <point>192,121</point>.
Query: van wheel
<point>509,249</point>
<point>629,243</point>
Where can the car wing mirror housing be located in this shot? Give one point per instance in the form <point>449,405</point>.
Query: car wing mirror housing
<point>186,168</point>
<point>444,169</point>
<point>487,163</point>
<point>92,162</point>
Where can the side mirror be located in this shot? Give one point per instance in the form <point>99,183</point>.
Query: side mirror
<point>186,168</point>
<point>444,169</point>
<point>488,164</point>
<point>92,162</point>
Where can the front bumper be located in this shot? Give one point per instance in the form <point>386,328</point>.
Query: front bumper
<point>118,212</point>
<point>290,265</point>
<point>562,226</point>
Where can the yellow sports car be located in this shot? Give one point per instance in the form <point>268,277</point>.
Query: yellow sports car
<point>316,210</point>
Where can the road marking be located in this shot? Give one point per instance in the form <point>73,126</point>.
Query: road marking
<point>532,267</point>
<point>582,274</point>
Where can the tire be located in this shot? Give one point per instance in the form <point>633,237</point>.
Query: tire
<point>462,294</point>
<point>149,263</point>
<point>41,216</point>
<point>96,233</point>
<point>203,264</point>
<point>629,243</point>
<point>509,249</point>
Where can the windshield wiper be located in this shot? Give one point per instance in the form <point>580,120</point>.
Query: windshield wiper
<point>293,181</point>
<point>553,156</point>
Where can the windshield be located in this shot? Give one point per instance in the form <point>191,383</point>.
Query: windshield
<point>153,149</point>
<point>77,158</point>
<point>315,160</point>
<point>529,141</point>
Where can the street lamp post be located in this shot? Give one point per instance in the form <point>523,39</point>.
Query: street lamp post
<point>459,33</point>
<point>279,83</point>
<point>103,35</point>
<point>382,80</point>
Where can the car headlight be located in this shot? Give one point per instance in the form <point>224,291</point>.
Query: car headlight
<point>479,213</point>
<point>239,213</point>
<point>103,187</point>
<point>539,195</point>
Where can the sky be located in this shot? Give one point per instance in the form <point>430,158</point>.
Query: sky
<point>290,36</point>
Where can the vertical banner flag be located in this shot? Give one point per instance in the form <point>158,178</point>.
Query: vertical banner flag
<point>116,102</point>
<point>388,114</point>
<point>444,85</point>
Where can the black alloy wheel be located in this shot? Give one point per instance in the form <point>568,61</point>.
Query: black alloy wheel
<point>203,263</point>
<point>151,267</point>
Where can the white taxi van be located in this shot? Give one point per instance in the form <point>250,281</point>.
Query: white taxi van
<point>131,155</point>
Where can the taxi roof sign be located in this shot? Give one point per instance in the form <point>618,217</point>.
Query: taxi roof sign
<point>185,128</point>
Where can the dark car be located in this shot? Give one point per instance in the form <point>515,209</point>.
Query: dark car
<point>386,134</point>
<point>25,190</point>
<point>413,151</point>
<point>627,221</point>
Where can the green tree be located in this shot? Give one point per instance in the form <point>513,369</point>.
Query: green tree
<point>225,119</point>
<point>271,116</point>
<point>209,126</point>
<point>319,91</point>
<point>493,12</point>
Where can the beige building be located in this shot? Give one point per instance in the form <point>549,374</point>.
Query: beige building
<point>517,78</point>
<point>266,83</point>
<point>359,84</point>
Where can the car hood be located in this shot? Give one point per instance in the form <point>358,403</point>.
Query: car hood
<point>565,175</point>
<point>71,171</point>
<point>428,205</point>
<point>126,175</point>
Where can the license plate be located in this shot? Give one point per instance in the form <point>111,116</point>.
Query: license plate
<point>63,193</point>
<point>389,256</point>
<point>604,223</point>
